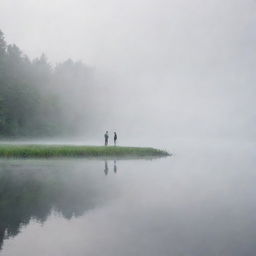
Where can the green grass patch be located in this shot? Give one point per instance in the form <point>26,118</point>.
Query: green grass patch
<point>47,151</point>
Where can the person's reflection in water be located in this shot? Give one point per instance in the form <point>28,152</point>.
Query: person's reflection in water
<point>106,167</point>
<point>115,167</point>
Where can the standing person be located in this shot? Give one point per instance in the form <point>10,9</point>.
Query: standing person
<point>106,138</point>
<point>115,138</point>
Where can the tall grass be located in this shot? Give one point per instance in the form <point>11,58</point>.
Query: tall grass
<point>46,151</point>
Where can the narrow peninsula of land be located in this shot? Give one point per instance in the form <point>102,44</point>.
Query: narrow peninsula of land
<point>47,151</point>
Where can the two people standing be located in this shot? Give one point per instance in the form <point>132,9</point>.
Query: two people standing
<point>106,136</point>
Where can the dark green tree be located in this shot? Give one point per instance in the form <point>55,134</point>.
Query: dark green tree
<point>36,99</point>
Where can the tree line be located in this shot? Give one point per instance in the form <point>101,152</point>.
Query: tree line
<point>37,99</point>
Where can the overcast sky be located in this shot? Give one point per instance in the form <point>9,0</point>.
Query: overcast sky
<point>179,67</point>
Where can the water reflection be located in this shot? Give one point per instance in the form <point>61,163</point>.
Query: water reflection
<point>201,202</point>
<point>30,191</point>
<point>115,168</point>
<point>106,167</point>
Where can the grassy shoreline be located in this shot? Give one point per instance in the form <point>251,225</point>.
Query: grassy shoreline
<point>49,151</point>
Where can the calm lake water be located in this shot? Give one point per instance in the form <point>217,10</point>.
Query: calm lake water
<point>199,202</point>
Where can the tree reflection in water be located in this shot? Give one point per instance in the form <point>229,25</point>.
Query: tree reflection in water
<point>33,192</point>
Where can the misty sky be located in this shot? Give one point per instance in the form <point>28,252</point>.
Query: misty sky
<point>175,67</point>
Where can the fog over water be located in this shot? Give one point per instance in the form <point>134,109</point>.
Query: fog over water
<point>199,202</point>
<point>164,68</point>
<point>173,74</point>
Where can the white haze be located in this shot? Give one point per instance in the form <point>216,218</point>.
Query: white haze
<point>166,68</point>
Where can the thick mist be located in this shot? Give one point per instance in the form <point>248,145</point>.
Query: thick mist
<point>162,70</point>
